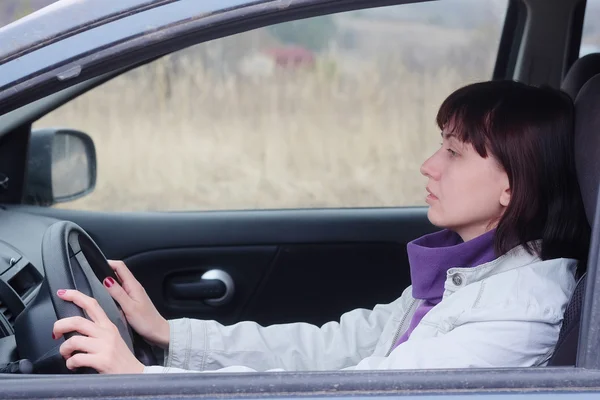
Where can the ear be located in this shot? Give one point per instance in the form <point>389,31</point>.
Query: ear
<point>505,197</point>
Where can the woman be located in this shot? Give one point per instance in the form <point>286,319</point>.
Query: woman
<point>489,289</point>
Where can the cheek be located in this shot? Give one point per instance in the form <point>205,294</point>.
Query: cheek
<point>458,186</point>
<point>467,193</point>
<point>470,189</point>
<point>455,201</point>
<point>483,189</point>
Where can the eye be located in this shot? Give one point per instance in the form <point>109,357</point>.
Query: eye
<point>449,150</point>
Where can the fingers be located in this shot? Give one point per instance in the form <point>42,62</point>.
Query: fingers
<point>78,343</point>
<point>89,304</point>
<point>74,324</point>
<point>105,354</point>
<point>99,345</point>
<point>83,360</point>
<point>122,271</point>
<point>118,293</point>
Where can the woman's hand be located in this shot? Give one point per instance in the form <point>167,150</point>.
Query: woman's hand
<point>102,347</point>
<point>141,314</point>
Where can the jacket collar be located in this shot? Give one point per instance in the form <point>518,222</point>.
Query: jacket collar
<point>431,256</point>
<point>518,257</point>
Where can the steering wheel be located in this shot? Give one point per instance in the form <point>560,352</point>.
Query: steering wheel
<point>71,261</point>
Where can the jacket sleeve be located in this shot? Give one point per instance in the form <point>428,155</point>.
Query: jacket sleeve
<point>490,344</point>
<point>474,344</point>
<point>207,345</point>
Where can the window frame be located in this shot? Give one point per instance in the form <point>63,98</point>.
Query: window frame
<point>492,50</point>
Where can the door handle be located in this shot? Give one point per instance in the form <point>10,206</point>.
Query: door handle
<point>215,288</point>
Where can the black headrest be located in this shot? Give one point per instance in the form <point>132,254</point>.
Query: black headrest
<point>580,72</point>
<point>587,144</point>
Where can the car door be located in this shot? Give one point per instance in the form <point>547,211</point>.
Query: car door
<point>273,175</point>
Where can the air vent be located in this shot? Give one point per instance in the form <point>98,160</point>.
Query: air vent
<point>25,281</point>
<point>17,284</point>
<point>7,321</point>
<point>7,314</point>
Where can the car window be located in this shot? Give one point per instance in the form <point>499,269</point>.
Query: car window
<point>590,39</point>
<point>12,10</point>
<point>332,111</point>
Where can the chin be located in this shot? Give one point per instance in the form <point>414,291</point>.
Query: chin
<point>434,218</point>
<point>439,220</point>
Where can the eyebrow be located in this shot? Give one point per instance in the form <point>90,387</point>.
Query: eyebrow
<point>457,142</point>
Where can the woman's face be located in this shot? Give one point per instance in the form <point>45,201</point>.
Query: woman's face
<point>466,193</point>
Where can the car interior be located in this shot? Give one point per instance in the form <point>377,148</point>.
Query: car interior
<point>576,83</point>
<point>268,266</point>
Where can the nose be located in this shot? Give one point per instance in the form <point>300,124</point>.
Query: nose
<point>429,168</point>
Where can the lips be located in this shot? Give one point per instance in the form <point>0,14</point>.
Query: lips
<point>431,194</point>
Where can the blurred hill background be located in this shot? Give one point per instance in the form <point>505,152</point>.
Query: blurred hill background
<point>11,10</point>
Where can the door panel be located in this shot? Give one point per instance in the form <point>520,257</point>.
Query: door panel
<point>156,270</point>
<point>300,265</point>
<point>317,283</point>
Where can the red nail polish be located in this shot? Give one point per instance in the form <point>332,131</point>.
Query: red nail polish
<point>61,292</point>
<point>53,336</point>
<point>108,282</point>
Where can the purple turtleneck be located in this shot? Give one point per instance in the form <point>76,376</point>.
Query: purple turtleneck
<point>431,256</point>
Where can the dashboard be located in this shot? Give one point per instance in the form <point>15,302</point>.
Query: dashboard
<point>21,271</point>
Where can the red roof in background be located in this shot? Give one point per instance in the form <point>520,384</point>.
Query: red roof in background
<point>291,55</point>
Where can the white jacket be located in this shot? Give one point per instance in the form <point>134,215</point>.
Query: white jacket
<point>505,313</point>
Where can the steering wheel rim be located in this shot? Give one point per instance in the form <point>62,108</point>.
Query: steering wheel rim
<point>71,260</point>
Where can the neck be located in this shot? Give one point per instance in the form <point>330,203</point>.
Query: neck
<point>471,232</point>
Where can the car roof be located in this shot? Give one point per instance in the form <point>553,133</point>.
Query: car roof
<point>65,18</point>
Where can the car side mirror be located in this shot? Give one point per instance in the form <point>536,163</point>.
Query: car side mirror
<point>61,166</point>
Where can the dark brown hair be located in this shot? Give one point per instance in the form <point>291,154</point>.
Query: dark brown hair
<point>529,131</point>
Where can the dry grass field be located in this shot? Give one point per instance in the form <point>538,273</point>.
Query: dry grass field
<point>195,138</point>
